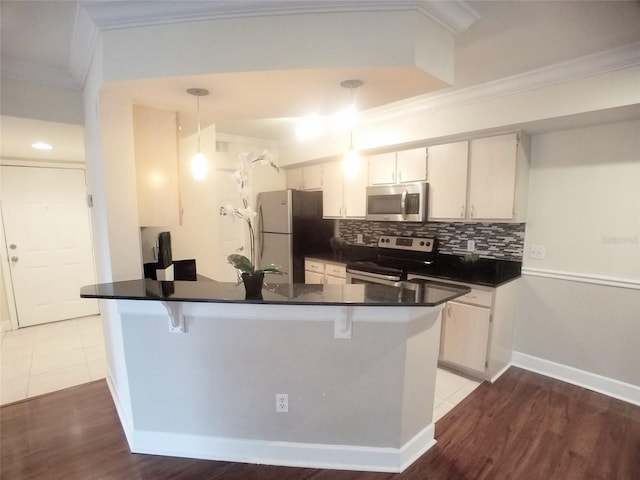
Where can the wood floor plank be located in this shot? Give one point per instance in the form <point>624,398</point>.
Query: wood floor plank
<point>524,426</point>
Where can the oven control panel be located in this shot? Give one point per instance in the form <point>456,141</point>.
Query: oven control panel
<point>413,244</point>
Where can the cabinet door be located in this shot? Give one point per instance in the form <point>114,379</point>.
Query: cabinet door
<point>313,277</point>
<point>334,280</point>
<point>312,177</point>
<point>492,177</point>
<point>294,178</point>
<point>411,165</point>
<point>332,199</point>
<point>465,335</point>
<point>447,177</point>
<point>156,158</point>
<point>355,193</point>
<point>382,168</point>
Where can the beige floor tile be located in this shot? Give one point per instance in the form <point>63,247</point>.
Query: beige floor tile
<point>19,338</point>
<point>15,369</point>
<point>16,355</point>
<point>97,369</point>
<point>92,338</point>
<point>14,390</point>
<point>441,410</point>
<point>58,379</point>
<point>463,392</point>
<point>57,344</point>
<point>95,352</point>
<point>56,361</point>
<point>448,383</point>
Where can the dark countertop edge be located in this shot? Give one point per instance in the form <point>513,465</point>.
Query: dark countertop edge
<point>446,279</point>
<point>459,291</point>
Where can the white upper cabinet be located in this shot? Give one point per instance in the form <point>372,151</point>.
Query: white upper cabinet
<point>343,197</point>
<point>398,167</point>
<point>305,178</point>
<point>492,177</point>
<point>156,158</point>
<point>382,168</point>
<point>411,165</point>
<point>447,176</point>
<point>483,179</point>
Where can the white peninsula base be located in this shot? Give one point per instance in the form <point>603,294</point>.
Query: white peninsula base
<point>360,382</point>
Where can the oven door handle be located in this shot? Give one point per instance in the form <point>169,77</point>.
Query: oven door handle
<point>403,203</point>
<point>379,276</point>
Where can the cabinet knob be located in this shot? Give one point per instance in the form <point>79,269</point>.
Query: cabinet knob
<point>462,211</point>
<point>14,259</point>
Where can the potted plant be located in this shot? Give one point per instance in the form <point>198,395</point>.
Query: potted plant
<point>252,276</point>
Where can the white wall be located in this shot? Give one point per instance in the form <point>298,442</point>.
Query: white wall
<point>584,207</point>
<point>204,234</point>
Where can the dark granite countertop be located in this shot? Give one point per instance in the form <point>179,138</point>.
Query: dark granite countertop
<point>485,271</point>
<point>426,294</point>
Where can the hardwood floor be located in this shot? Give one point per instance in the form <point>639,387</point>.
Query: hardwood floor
<point>524,426</point>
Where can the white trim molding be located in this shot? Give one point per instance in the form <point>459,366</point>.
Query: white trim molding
<point>265,452</point>
<point>583,278</point>
<point>591,381</point>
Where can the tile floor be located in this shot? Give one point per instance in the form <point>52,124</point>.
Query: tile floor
<point>451,389</point>
<point>54,356</point>
<point>44,358</point>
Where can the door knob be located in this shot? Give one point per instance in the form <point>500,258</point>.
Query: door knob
<point>14,259</point>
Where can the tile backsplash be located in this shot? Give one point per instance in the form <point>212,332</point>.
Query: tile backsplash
<point>492,240</point>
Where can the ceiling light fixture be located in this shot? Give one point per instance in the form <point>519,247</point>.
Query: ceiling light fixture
<point>351,159</point>
<point>199,162</point>
<point>42,146</point>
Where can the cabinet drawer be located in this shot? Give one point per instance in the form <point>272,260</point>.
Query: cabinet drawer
<point>476,296</point>
<point>314,266</point>
<point>336,270</point>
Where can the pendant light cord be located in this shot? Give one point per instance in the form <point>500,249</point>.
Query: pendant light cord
<point>198,104</point>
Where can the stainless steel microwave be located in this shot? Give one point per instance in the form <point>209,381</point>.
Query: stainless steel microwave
<point>406,202</point>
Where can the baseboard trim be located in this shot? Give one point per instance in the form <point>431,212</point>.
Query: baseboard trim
<point>264,452</point>
<point>598,383</point>
<point>124,420</point>
<point>500,373</point>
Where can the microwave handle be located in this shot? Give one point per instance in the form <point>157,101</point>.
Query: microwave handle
<point>403,204</point>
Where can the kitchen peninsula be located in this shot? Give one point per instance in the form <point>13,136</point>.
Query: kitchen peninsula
<point>330,376</point>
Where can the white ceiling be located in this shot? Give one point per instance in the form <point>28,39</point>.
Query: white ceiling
<point>509,38</point>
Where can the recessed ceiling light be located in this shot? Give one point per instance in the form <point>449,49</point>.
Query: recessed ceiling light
<point>42,146</point>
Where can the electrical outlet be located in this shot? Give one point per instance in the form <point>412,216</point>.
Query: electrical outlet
<point>359,238</point>
<point>282,403</point>
<point>471,245</point>
<point>537,252</point>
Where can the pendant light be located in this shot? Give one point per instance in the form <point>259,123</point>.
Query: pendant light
<point>199,164</point>
<point>351,159</point>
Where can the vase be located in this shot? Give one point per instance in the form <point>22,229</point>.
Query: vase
<point>253,284</point>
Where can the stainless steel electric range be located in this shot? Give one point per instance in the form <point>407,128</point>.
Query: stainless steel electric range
<point>396,256</point>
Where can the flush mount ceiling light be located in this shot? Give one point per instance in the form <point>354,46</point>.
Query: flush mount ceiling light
<point>42,146</point>
<point>351,159</point>
<point>199,165</point>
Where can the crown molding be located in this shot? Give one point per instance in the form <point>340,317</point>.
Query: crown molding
<point>92,17</point>
<point>590,65</point>
<point>456,15</point>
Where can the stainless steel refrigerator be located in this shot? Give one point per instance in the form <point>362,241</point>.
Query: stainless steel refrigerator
<point>290,227</point>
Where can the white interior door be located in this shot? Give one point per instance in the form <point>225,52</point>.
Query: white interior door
<point>48,235</point>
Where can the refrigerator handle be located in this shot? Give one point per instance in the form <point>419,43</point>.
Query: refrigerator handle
<point>261,231</point>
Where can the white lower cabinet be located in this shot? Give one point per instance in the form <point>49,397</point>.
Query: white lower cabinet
<point>465,335</point>
<point>477,329</point>
<point>317,271</point>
